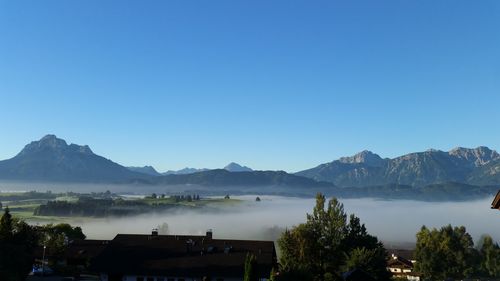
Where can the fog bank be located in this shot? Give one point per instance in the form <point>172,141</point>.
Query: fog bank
<point>392,221</point>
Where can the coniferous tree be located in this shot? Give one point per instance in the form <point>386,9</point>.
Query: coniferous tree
<point>17,241</point>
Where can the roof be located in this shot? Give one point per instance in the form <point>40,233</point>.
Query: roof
<point>496,202</point>
<point>85,249</point>
<point>179,255</point>
<point>399,262</point>
<point>404,253</point>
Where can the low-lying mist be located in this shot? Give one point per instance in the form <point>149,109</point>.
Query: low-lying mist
<point>394,222</point>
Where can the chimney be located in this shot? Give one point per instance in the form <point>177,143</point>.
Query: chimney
<point>209,234</point>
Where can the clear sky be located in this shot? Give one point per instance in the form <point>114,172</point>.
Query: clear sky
<point>268,84</point>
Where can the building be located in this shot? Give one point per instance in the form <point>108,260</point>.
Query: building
<point>401,267</point>
<point>496,202</point>
<point>136,257</point>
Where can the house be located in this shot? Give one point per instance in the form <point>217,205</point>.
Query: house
<point>402,268</point>
<point>496,202</point>
<point>153,257</point>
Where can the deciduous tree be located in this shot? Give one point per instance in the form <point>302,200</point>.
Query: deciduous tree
<point>329,243</point>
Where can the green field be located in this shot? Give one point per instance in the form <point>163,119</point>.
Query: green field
<point>23,205</point>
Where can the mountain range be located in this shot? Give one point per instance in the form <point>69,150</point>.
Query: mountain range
<point>461,171</point>
<point>149,170</point>
<point>478,166</point>
<point>52,160</point>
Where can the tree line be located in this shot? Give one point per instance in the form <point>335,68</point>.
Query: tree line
<point>449,253</point>
<point>18,241</point>
<point>92,207</point>
<point>331,243</point>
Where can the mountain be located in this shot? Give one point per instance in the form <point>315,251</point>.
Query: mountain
<point>462,165</point>
<point>366,157</point>
<point>184,171</point>
<point>52,159</point>
<point>147,170</point>
<point>235,167</point>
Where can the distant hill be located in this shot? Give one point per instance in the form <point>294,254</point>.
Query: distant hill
<point>52,159</point>
<point>224,178</point>
<point>148,170</point>
<point>235,167</point>
<point>464,165</point>
<point>447,191</point>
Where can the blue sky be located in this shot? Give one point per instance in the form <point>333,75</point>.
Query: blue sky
<point>269,84</point>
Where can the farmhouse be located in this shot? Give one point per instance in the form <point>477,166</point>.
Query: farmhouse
<point>154,257</point>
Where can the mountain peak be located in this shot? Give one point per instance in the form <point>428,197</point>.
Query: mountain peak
<point>52,159</point>
<point>52,141</point>
<point>235,167</point>
<point>148,170</point>
<point>480,155</point>
<point>365,156</point>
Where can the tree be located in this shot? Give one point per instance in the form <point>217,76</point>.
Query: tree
<point>444,253</point>
<point>56,237</point>
<point>17,241</point>
<point>6,225</point>
<point>490,257</point>
<point>328,244</point>
<point>163,229</point>
<point>250,262</point>
<point>272,275</point>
